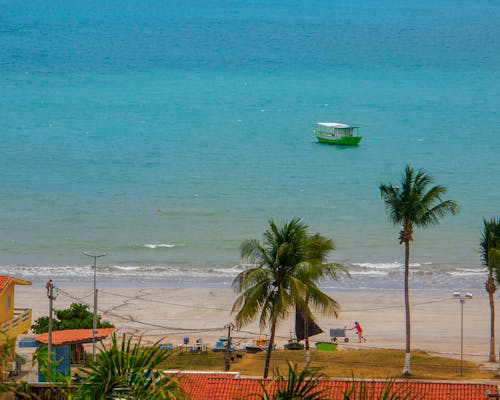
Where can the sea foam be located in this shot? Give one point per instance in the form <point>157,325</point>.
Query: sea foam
<point>159,245</point>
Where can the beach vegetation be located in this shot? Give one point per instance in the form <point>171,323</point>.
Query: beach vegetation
<point>414,203</point>
<point>127,369</point>
<point>124,369</point>
<point>186,360</point>
<point>385,390</point>
<point>293,385</point>
<point>7,354</point>
<point>311,384</point>
<point>287,265</point>
<point>363,363</point>
<point>77,316</point>
<point>47,368</point>
<point>490,240</point>
<point>366,364</point>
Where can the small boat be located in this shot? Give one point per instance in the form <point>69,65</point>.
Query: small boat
<point>326,346</point>
<point>253,348</point>
<point>258,345</point>
<point>221,345</point>
<point>294,345</point>
<point>337,133</point>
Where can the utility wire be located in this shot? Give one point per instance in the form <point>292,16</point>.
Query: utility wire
<point>228,310</point>
<point>164,302</point>
<point>253,333</point>
<point>147,323</point>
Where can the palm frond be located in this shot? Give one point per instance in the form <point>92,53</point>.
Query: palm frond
<point>494,262</point>
<point>392,199</point>
<point>131,370</point>
<point>252,250</point>
<point>433,215</point>
<point>412,204</point>
<point>295,384</point>
<point>490,238</point>
<point>390,390</point>
<point>250,277</point>
<point>322,302</point>
<point>251,302</point>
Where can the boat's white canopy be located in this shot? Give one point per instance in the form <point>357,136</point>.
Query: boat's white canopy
<point>334,125</point>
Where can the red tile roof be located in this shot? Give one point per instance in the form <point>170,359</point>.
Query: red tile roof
<point>3,281</point>
<point>71,336</point>
<point>6,280</point>
<point>224,388</point>
<point>196,385</point>
<point>246,388</point>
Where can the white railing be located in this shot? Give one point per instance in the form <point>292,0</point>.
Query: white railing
<point>24,313</point>
<point>21,316</point>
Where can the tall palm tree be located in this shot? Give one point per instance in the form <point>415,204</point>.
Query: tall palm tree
<point>288,263</point>
<point>490,238</point>
<point>414,204</point>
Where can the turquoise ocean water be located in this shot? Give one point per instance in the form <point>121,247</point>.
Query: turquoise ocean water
<point>165,133</point>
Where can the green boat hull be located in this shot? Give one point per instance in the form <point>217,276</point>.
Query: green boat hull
<point>294,346</point>
<point>326,346</point>
<point>343,141</point>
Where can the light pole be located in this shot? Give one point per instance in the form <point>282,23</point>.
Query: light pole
<point>52,297</point>
<point>94,321</point>
<point>462,298</point>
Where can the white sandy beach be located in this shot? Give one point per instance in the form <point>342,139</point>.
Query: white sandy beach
<point>173,314</point>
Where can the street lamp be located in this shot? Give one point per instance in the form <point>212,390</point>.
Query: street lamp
<point>52,297</point>
<point>462,298</point>
<point>94,321</point>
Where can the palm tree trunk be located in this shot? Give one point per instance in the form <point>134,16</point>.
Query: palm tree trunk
<point>306,334</point>
<point>491,289</point>
<point>269,350</point>
<point>406,369</point>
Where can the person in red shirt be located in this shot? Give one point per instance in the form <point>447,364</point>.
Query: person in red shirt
<point>48,286</point>
<point>359,331</point>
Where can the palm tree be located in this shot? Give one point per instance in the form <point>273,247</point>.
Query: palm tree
<point>288,264</point>
<point>490,238</point>
<point>414,204</point>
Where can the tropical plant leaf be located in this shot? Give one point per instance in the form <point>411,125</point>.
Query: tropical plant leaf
<point>126,369</point>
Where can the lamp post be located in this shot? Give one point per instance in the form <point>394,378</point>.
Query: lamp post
<point>94,320</point>
<point>52,297</point>
<point>462,298</point>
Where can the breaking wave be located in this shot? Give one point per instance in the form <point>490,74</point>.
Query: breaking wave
<point>385,275</point>
<point>159,246</point>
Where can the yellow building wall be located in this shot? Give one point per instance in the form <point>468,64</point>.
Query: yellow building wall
<point>13,321</point>
<point>7,304</point>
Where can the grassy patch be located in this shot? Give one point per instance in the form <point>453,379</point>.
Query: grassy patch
<point>195,361</point>
<point>368,364</point>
